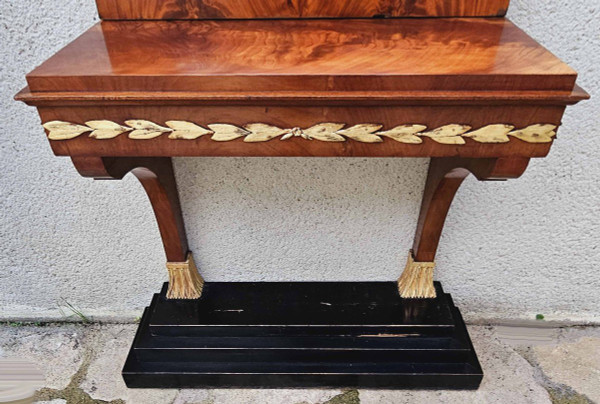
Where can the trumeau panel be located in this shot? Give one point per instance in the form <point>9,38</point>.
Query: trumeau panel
<point>248,9</point>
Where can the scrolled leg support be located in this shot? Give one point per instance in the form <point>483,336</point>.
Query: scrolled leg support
<point>157,177</point>
<point>444,178</point>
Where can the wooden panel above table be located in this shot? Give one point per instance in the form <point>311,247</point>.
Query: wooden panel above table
<point>248,9</point>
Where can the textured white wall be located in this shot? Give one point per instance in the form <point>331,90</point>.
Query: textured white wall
<point>510,250</point>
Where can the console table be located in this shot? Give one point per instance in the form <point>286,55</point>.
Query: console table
<point>156,79</point>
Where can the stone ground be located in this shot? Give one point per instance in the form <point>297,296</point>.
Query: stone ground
<point>522,364</point>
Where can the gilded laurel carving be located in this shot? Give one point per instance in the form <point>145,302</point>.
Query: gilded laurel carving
<point>452,134</point>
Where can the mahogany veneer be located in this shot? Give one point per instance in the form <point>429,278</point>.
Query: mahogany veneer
<point>433,55</point>
<point>301,73</point>
<point>233,9</point>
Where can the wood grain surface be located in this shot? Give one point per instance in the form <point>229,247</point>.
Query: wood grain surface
<point>223,9</point>
<point>304,55</point>
<point>158,179</point>
<point>454,134</point>
<point>432,116</point>
<point>444,178</point>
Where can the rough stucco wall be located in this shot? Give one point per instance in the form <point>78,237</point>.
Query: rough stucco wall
<point>510,250</point>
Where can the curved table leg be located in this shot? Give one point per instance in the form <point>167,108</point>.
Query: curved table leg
<point>157,177</point>
<point>443,180</point>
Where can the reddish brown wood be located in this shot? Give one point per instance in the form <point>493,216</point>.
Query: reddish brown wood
<point>157,177</point>
<point>443,180</point>
<point>442,55</point>
<point>315,98</point>
<point>199,9</point>
<point>299,116</point>
<point>295,147</point>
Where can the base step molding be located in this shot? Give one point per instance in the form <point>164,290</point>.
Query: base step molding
<point>302,334</point>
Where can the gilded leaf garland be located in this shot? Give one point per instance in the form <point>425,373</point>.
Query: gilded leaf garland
<point>451,134</point>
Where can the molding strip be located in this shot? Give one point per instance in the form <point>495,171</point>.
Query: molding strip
<point>452,134</point>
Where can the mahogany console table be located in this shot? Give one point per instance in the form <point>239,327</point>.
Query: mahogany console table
<point>158,79</point>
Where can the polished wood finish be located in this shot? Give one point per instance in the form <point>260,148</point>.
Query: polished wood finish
<point>440,55</point>
<point>443,180</point>
<point>157,177</point>
<point>451,134</point>
<point>314,98</point>
<point>235,9</point>
<point>137,77</point>
<point>432,116</point>
<point>302,334</point>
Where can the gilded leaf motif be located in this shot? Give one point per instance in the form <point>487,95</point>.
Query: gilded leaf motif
<point>59,130</point>
<point>260,132</point>
<point>362,133</point>
<point>491,134</point>
<point>106,129</point>
<point>225,132</point>
<point>145,129</point>
<point>452,134</point>
<point>325,132</point>
<point>448,134</point>
<point>536,133</point>
<point>404,133</point>
<point>186,130</point>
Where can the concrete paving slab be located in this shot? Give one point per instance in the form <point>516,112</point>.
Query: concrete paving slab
<point>88,360</point>
<point>255,396</point>
<point>103,381</point>
<point>574,364</point>
<point>56,350</point>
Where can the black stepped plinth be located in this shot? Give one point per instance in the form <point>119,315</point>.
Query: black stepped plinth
<point>302,334</point>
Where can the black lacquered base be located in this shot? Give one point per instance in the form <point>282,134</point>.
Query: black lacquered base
<point>302,334</point>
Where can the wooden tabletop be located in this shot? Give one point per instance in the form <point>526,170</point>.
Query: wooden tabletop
<point>444,54</point>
